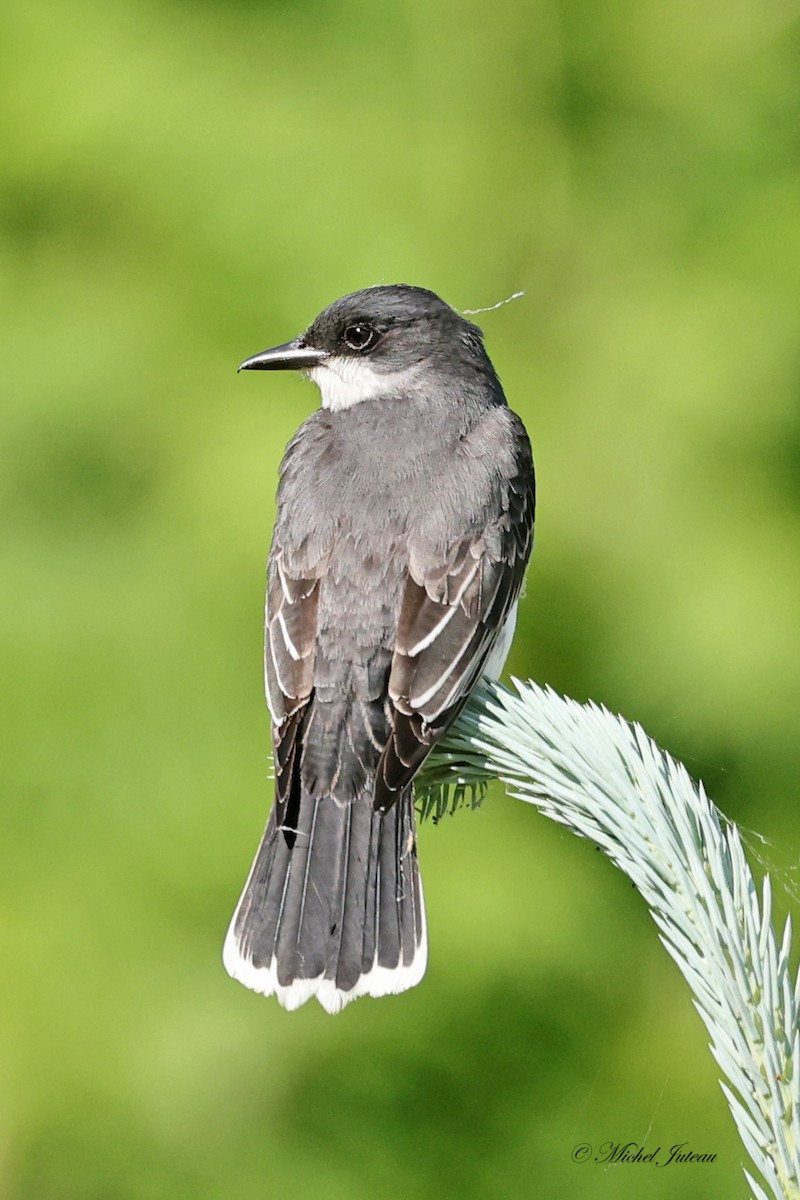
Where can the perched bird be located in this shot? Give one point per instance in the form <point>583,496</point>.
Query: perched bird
<point>404,527</point>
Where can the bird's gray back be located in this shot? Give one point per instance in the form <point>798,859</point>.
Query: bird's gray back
<point>368,497</point>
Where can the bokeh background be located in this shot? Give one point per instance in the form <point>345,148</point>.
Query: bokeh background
<point>184,183</point>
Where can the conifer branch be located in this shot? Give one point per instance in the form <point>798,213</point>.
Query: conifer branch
<point>604,779</point>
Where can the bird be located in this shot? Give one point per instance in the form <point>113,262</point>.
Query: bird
<point>404,525</point>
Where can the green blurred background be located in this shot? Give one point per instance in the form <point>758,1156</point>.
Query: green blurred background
<point>184,183</point>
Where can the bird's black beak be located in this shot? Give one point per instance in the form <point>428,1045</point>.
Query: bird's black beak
<point>291,356</point>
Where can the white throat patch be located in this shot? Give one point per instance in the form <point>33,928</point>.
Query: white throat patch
<point>344,382</point>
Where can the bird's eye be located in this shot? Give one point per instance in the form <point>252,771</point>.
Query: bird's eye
<point>359,336</point>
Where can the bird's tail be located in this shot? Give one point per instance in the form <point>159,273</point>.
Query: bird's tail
<point>339,913</point>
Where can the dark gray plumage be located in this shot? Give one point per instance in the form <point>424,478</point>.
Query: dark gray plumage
<point>405,523</point>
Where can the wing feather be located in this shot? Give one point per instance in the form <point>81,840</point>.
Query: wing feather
<point>291,632</point>
<point>452,611</point>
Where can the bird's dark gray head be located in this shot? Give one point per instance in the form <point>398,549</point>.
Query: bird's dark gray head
<point>384,341</point>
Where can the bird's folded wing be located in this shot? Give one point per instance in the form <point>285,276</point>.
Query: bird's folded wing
<point>452,612</point>
<point>291,632</point>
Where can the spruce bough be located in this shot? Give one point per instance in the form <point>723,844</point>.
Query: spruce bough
<point>604,779</point>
